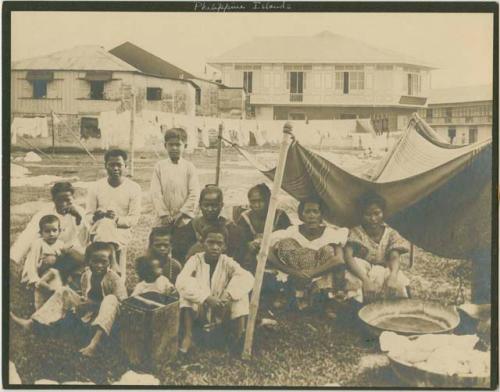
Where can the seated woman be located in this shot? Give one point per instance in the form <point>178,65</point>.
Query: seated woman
<point>373,255</point>
<point>252,223</point>
<point>311,253</point>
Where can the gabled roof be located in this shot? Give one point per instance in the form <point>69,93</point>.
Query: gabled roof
<point>148,63</point>
<point>461,94</point>
<point>325,47</point>
<point>79,58</point>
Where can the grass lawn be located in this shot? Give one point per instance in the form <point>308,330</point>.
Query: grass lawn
<point>303,349</point>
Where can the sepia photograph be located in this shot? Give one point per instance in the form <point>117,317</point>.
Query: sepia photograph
<point>250,194</point>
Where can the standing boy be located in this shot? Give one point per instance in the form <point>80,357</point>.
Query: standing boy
<point>174,184</point>
<point>114,206</point>
<point>214,288</point>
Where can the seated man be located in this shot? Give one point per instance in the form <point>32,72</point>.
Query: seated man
<point>114,207</point>
<point>99,305</point>
<point>214,288</point>
<point>73,229</point>
<point>186,240</point>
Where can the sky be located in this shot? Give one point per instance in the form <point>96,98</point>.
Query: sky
<point>460,45</point>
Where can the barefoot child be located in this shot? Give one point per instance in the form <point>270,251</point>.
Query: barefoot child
<point>114,206</point>
<point>150,271</point>
<point>102,290</point>
<point>213,287</point>
<point>373,255</point>
<point>39,266</point>
<point>160,248</point>
<point>174,184</point>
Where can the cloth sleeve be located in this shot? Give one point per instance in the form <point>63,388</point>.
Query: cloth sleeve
<point>22,244</point>
<point>241,281</point>
<point>157,192</point>
<point>355,240</point>
<point>279,235</point>
<point>30,269</point>
<point>190,205</point>
<point>397,243</point>
<point>189,286</point>
<point>134,209</point>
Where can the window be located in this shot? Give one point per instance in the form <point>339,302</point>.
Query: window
<point>472,135</point>
<point>197,96</point>
<point>413,84</point>
<point>247,67</point>
<point>349,80</point>
<point>452,133</point>
<point>96,89</point>
<point>153,94</point>
<point>89,127</point>
<point>297,116</point>
<point>296,86</point>
<point>448,115</point>
<point>248,81</point>
<point>303,67</point>
<point>39,89</point>
<point>328,81</point>
<point>428,115</point>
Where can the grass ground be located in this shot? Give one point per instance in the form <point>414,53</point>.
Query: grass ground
<point>303,349</point>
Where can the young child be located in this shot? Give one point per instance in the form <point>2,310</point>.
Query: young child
<point>187,240</point>
<point>39,266</point>
<point>213,287</point>
<point>160,248</point>
<point>174,184</point>
<point>373,255</point>
<point>150,271</point>
<point>114,206</point>
<point>99,304</point>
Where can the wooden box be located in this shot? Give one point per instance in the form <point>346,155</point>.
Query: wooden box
<point>149,326</point>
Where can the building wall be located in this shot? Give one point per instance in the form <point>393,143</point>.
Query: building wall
<point>382,84</point>
<point>231,103</point>
<point>462,117</point>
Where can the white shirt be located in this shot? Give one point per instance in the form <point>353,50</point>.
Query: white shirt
<point>124,200</point>
<point>161,285</point>
<point>175,188</point>
<point>71,233</point>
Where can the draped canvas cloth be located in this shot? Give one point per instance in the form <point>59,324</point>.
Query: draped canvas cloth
<point>438,196</point>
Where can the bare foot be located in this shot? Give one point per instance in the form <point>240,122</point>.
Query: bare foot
<point>89,351</point>
<point>25,324</point>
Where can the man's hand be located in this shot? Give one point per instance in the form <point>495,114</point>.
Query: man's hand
<point>369,291</point>
<point>225,298</point>
<point>98,215</point>
<point>166,220</point>
<point>74,212</point>
<point>214,302</point>
<point>111,215</point>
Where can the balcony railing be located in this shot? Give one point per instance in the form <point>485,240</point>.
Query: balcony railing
<point>296,97</point>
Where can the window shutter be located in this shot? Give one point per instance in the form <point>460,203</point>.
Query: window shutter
<point>304,80</point>
<point>288,80</point>
<point>84,89</point>
<point>53,89</point>
<point>26,89</point>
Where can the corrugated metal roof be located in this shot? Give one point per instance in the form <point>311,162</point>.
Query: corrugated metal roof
<point>461,94</point>
<point>79,58</point>
<point>325,47</point>
<point>148,63</point>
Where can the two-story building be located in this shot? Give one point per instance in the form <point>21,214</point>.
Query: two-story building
<point>326,76</point>
<point>462,115</point>
<point>212,99</point>
<point>79,84</point>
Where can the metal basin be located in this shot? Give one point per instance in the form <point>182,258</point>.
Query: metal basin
<point>409,317</point>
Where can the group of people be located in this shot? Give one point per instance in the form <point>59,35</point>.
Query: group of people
<point>75,260</point>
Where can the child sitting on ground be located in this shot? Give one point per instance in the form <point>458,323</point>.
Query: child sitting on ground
<point>373,255</point>
<point>41,260</point>
<point>99,304</point>
<point>160,247</point>
<point>150,272</point>
<point>213,288</point>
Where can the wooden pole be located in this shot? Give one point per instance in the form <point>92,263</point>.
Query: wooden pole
<point>132,135</point>
<point>33,147</point>
<point>219,154</point>
<point>266,238</point>
<point>53,133</point>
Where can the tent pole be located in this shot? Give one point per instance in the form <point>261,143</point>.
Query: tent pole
<point>219,154</point>
<point>264,249</point>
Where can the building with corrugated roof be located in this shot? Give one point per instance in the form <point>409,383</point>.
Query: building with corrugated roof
<point>212,98</point>
<point>80,83</point>
<point>462,115</point>
<point>326,76</point>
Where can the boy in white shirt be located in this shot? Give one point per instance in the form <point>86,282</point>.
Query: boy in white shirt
<point>174,184</point>
<point>114,206</point>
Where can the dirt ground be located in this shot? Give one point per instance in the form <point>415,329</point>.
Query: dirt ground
<point>302,349</point>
